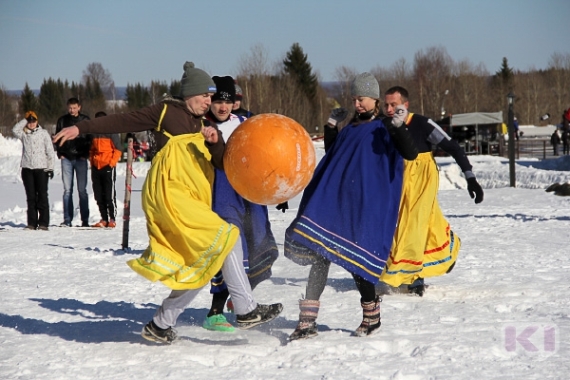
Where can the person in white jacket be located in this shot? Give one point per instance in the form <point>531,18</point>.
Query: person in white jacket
<point>37,169</point>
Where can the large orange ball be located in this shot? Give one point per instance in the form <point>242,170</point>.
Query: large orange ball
<point>269,159</point>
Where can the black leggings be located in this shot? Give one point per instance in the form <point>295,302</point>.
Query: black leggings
<point>318,279</point>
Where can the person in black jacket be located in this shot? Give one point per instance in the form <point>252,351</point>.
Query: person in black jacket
<point>555,141</point>
<point>566,132</point>
<point>424,243</point>
<point>74,155</point>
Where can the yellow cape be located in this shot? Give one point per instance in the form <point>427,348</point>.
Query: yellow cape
<point>188,241</point>
<point>424,244</point>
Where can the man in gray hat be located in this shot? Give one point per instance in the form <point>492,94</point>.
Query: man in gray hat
<point>188,242</point>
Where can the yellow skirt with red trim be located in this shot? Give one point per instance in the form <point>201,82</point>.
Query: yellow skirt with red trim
<point>424,244</point>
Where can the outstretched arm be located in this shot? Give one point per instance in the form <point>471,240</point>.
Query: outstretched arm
<point>65,134</point>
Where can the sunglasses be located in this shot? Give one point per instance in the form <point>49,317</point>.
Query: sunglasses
<point>31,120</point>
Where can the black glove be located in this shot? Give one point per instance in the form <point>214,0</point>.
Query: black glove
<point>475,190</point>
<point>283,206</point>
<point>337,116</point>
<point>49,173</point>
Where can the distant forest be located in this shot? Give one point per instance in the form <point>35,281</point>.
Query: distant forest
<point>438,87</point>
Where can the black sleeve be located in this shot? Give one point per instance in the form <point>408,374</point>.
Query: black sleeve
<point>457,152</point>
<point>330,136</point>
<point>59,125</point>
<point>403,141</point>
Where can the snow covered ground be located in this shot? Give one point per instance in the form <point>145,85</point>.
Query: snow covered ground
<point>71,308</point>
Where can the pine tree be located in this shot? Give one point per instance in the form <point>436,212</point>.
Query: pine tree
<point>297,66</point>
<point>505,74</point>
<point>7,114</point>
<point>175,87</point>
<point>94,99</point>
<point>137,96</point>
<point>52,100</point>
<point>28,101</point>
<point>157,91</point>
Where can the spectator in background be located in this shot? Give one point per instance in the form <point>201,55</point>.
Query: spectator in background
<point>555,140</point>
<point>104,156</point>
<point>237,109</point>
<point>566,132</point>
<point>37,169</point>
<point>517,129</point>
<point>74,155</point>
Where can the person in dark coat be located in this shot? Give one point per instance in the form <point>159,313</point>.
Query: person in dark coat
<point>555,140</point>
<point>74,156</point>
<point>566,132</point>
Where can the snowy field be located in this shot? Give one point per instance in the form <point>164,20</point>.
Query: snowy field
<point>71,308</point>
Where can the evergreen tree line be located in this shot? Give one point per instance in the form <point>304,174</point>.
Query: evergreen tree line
<point>438,87</point>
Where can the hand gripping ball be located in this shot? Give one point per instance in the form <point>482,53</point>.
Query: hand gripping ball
<point>269,159</point>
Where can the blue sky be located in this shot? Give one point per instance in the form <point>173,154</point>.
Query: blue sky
<point>139,41</point>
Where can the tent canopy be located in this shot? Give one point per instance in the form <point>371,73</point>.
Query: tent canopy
<point>476,118</point>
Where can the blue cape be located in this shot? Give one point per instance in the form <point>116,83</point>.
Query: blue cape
<point>258,243</point>
<point>349,210</point>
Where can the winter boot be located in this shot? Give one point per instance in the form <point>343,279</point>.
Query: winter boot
<point>259,315</point>
<point>307,326</point>
<point>370,318</point>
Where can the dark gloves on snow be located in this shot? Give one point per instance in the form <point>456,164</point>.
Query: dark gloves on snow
<point>283,206</point>
<point>475,190</point>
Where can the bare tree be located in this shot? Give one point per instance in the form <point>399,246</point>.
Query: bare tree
<point>96,72</point>
<point>559,78</point>
<point>432,72</point>
<point>253,69</point>
<point>341,90</point>
<point>467,92</point>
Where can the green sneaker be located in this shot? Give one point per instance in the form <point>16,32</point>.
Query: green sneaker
<point>217,322</point>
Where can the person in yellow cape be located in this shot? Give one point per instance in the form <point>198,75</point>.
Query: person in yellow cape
<point>424,244</point>
<point>188,242</point>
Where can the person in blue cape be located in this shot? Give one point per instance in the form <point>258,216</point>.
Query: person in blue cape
<point>362,170</point>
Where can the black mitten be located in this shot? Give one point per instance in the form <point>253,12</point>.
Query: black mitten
<point>475,190</point>
<point>283,206</point>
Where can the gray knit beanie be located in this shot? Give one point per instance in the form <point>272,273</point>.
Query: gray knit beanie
<point>365,85</point>
<point>195,81</point>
